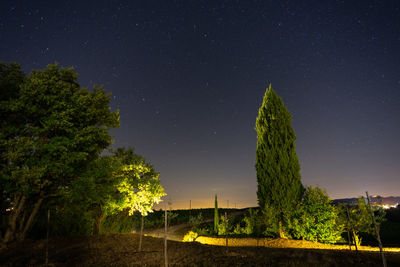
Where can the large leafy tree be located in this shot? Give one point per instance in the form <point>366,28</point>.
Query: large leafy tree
<point>216,215</point>
<point>61,128</point>
<point>121,181</point>
<point>316,219</point>
<point>277,165</point>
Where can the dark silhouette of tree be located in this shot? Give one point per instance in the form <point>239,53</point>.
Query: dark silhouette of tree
<point>216,215</point>
<point>277,165</point>
<point>11,77</point>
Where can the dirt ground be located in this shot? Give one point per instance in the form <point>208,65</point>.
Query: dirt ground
<point>122,250</point>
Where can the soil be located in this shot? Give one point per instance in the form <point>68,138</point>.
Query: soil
<point>122,250</point>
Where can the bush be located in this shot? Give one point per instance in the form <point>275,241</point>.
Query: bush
<point>190,236</point>
<point>315,219</point>
<point>195,221</point>
<point>223,226</point>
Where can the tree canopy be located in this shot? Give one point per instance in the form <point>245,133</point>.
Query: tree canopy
<point>114,183</point>
<point>52,128</point>
<point>315,219</point>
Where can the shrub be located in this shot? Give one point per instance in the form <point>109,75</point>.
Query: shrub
<point>315,219</point>
<point>190,236</point>
<point>223,226</point>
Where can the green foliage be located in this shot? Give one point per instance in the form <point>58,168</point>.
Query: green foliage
<point>248,224</point>
<point>258,223</point>
<point>11,77</point>
<point>216,215</point>
<point>269,222</point>
<point>52,134</point>
<point>195,221</point>
<point>315,219</point>
<point>360,219</point>
<point>190,236</point>
<point>223,226</point>
<point>112,184</point>
<point>277,164</point>
<point>52,131</point>
<point>138,186</point>
<point>64,127</point>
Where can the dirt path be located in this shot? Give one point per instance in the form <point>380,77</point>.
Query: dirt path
<point>177,232</point>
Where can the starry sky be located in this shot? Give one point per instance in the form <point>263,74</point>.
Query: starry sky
<point>188,78</point>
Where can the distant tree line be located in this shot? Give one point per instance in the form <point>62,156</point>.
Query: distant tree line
<point>53,135</point>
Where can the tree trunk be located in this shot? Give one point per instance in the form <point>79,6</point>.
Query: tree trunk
<point>21,222</point>
<point>32,216</point>
<point>281,232</point>
<point>141,233</point>
<point>98,224</point>
<point>18,206</point>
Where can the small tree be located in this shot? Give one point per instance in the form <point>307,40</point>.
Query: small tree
<point>216,216</point>
<point>277,165</point>
<point>224,226</point>
<point>360,219</point>
<point>315,218</point>
<point>138,187</point>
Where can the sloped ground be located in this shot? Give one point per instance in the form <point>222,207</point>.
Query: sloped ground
<point>122,250</point>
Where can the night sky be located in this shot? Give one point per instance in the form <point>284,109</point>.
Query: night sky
<point>188,78</point>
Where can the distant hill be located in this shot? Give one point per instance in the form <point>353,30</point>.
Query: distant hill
<point>378,200</point>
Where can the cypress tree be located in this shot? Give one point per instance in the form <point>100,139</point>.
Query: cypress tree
<point>277,164</point>
<point>216,217</point>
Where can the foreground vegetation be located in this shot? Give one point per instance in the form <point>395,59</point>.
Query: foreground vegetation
<point>122,250</point>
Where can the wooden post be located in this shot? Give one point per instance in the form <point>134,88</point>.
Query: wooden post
<point>141,234</point>
<point>351,227</point>
<point>165,236</point>
<point>47,238</point>
<point>190,209</point>
<point>226,232</point>
<point>378,237</point>
<point>348,237</point>
<point>348,228</point>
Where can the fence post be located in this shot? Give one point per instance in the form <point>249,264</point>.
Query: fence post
<point>226,232</point>
<point>348,236</point>
<point>47,238</point>
<point>141,234</point>
<point>378,237</point>
<point>165,236</point>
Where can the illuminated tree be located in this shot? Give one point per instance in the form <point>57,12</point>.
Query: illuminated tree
<point>60,129</point>
<point>316,219</point>
<point>120,182</point>
<point>277,165</point>
<point>138,185</point>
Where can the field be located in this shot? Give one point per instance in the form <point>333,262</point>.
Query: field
<point>122,250</point>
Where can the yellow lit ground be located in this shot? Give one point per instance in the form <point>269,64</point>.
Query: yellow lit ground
<point>281,243</point>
